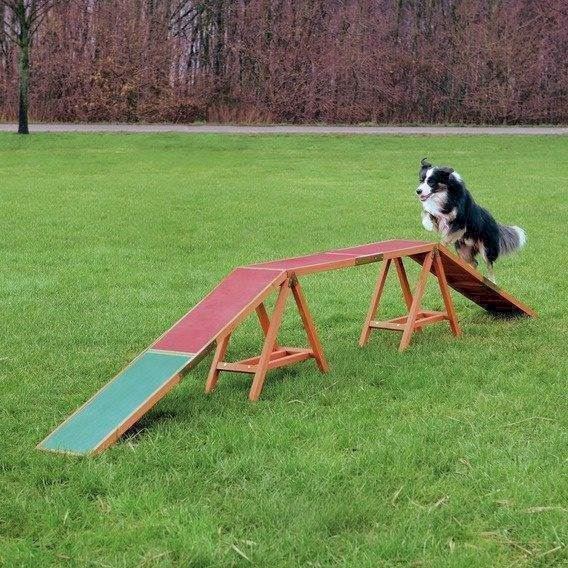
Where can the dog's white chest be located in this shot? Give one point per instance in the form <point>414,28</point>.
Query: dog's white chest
<point>433,206</point>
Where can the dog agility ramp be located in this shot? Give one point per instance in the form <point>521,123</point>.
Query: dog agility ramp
<point>118,405</point>
<point>469,282</point>
<point>101,420</point>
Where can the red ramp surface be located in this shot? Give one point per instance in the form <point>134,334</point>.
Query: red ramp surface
<point>235,296</point>
<point>469,282</point>
<point>344,258</point>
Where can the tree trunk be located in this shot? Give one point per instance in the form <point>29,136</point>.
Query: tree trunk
<point>24,83</point>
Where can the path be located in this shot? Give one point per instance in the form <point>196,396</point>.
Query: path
<point>291,129</point>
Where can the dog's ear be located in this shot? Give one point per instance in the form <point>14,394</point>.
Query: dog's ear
<point>425,165</point>
<point>445,172</point>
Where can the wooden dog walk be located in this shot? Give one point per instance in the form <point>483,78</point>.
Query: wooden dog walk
<point>124,400</point>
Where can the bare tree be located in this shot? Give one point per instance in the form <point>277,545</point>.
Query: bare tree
<point>21,21</point>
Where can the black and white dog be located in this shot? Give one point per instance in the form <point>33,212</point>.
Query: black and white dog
<point>449,209</point>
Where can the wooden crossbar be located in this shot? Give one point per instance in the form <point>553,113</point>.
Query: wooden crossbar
<point>416,318</point>
<point>272,356</point>
<point>277,359</point>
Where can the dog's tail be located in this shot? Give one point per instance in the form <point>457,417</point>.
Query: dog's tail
<point>511,239</point>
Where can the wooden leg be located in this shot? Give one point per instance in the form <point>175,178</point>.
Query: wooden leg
<point>309,326</point>
<point>264,321</point>
<point>268,346</point>
<point>403,279</point>
<point>404,285</point>
<point>446,296</point>
<point>213,377</point>
<point>415,307</point>
<point>374,302</point>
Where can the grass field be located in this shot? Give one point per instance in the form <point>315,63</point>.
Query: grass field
<point>453,453</point>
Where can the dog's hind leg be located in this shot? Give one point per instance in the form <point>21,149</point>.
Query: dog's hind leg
<point>467,253</point>
<point>489,258</point>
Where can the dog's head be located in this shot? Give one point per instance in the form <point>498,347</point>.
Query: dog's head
<point>435,180</point>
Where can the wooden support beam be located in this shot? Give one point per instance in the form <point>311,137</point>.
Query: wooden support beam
<point>280,352</point>
<point>416,318</point>
<point>309,325</point>
<point>213,377</point>
<point>375,300</point>
<point>421,322</point>
<point>281,358</point>
<point>446,295</point>
<point>264,320</point>
<point>270,340</point>
<point>415,306</point>
<point>403,279</point>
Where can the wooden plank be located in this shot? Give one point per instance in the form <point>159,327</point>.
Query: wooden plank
<point>462,277</point>
<point>290,359</point>
<point>397,247</point>
<point>237,367</point>
<point>310,263</point>
<point>281,352</point>
<point>346,257</point>
<point>118,405</point>
<point>421,249</point>
<point>387,325</point>
<point>281,360</point>
<point>421,322</point>
<point>399,324</point>
<point>221,310</point>
<point>249,298</point>
<point>400,319</point>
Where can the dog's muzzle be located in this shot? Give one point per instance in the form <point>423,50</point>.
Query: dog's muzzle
<point>423,192</point>
<point>421,195</point>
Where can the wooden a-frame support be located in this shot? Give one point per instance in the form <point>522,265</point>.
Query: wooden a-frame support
<point>416,318</point>
<point>272,356</point>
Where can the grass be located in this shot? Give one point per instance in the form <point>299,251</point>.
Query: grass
<point>450,454</point>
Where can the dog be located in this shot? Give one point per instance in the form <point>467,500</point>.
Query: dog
<point>449,209</point>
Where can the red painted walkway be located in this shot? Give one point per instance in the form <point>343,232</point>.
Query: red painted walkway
<point>238,293</point>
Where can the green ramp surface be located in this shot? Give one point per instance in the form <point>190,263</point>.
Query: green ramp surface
<point>103,418</point>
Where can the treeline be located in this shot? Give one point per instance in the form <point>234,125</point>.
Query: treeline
<point>335,61</point>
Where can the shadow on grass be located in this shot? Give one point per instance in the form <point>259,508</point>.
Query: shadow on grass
<point>488,315</point>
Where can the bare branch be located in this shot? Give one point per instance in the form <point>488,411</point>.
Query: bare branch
<point>179,29</point>
<point>41,11</point>
<point>12,33</point>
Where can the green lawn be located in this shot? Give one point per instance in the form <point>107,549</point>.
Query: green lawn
<point>450,454</point>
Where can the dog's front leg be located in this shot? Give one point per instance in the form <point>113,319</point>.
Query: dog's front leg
<point>429,222</point>
<point>444,229</point>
